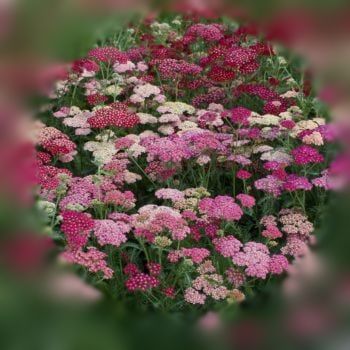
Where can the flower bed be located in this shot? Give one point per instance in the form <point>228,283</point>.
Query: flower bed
<point>183,164</point>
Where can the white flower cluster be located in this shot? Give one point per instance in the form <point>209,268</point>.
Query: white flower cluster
<point>176,108</point>
<point>74,117</point>
<point>146,118</point>
<point>47,207</point>
<point>307,125</point>
<point>267,119</point>
<point>143,91</point>
<point>160,30</point>
<point>277,155</point>
<point>103,150</point>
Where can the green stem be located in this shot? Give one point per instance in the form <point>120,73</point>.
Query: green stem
<point>143,172</point>
<point>234,180</point>
<point>144,250</point>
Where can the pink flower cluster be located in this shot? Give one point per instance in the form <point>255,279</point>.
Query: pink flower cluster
<point>271,230</point>
<point>197,255</point>
<point>227,246</point>
<point>93,259</point>
<point>221,207</point>
<point>207,32</point>
<point>160,219</point>
<point>235,277</point>
<point>172,68</point>
<point>256,258</point>
<point>246,200</point>
<point>110,232</point>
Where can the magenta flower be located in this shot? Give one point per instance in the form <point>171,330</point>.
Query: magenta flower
<point>243,174</point>
<point>294,182</point>
<point>77,227</point>
<point>240,115</point>
<point>278,264</point>
<point>305,154</point>
<point>221,207</point>
<point>141,282</point>
<point>227,246</point>
<point>246,200</point>
<point>197,255</point>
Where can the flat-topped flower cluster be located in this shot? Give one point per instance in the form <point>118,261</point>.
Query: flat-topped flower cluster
<point>185,168</point>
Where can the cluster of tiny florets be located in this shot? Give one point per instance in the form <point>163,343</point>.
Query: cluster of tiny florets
<point>107,54</point>
<point>112,117</point>
<point>141,282</point>
<point>76,227</point>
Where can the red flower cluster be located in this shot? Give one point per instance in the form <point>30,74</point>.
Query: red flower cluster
<point>306,154</point>
<point>240,115</point>
<point>108,54</point>
<point>42,158</point>
<point>59,146</point>
<point>108,116</point>
<point>154,268</point>
<point>141,282</point>
<point>84,64</point>
<point>96,99</point>
<point>55,142</point>
<point>257,90</point>
<point>48,176</point>
<point>242,59</point>
<point>215,95</point>
<point>131,269</point>
<point>76,227</point>
<point>221,74</point>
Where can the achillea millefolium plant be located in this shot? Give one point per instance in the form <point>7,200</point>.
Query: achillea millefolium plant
<point>183,164</point>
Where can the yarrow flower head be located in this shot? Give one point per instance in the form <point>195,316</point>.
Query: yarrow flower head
<point>93,259</point>
<point>110,232</point>
<point>246,200</point>
<point>208,32</point>
<point>141,282</point>
<point>160,220</point>
<point>169,193</point>
<point>270,184</point>
<point>221,207</point>
<point>227,246</point>
<point>192,296</point>
<point>108,54</point>
<point>154,268</point>
<point>278,264</point>
<point>235,277</point>
<point>240,115</point>
<point>197,255</point>
<point>107,116</point>
<point>243,174</point>
<point>305,154</point>
<point>256,258</point>
<point>77,227</point>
